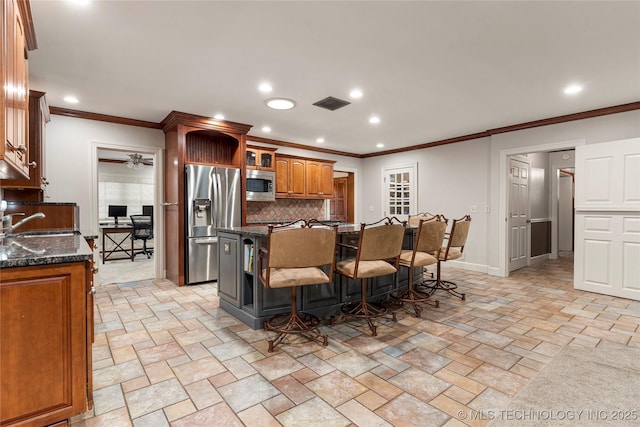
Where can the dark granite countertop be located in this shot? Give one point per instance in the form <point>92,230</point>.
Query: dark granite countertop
<point>43,248</point>
<point>261,230</point>
<point>41,203</point>
<point>251,223</point>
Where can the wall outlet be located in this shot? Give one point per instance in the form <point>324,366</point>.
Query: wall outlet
<point>486,209</point>
<point>371,209</point>
<point>474,209</point>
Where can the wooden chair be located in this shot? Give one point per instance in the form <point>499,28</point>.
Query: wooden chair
<point>455,246</point>
<point>428,241</point>
<point>294,256</point>
<point>377,254</point>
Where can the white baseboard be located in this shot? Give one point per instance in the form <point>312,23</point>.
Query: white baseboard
<point>539,258</point>
<point>480,268</point>
<point>495,271</point>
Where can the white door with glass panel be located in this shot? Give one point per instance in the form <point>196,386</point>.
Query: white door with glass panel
<point>518,212</point>
<point>399,191</point>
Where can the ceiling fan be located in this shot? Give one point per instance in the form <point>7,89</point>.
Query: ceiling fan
<point>136,161</point>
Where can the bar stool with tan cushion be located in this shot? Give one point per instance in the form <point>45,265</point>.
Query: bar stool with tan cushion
<point>294,256</point>
<point>377,254</point>
<point>455,246</point>
<point>428,241</point>
<point>414,220</point>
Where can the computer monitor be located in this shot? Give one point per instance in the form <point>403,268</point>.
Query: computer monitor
<point>117,210</point>
<point>147,210</point>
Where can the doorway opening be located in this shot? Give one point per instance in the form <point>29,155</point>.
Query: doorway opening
<point>546,223</point>
<point>341,206</point>
<point>125,184</point>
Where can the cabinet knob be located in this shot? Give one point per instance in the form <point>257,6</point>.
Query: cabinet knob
<point>93,290</point>
<point>22,149</point>
<point>33,164</point>
<point>95,246</point>
<point>95,270</point>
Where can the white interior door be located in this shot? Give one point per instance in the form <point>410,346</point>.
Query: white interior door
<point>519,168</point>
<point>607,242</point>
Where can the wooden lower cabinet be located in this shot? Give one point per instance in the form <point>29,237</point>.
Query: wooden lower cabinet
<point>45,346</point>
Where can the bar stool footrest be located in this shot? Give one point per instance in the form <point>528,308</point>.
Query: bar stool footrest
<point>295,323</point>
<point>414,297</point>
<point>433,285</point>
<point>367,311</point>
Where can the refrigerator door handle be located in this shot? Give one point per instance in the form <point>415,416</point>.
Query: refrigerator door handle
<point>207,241</point>
<point>218,198</point>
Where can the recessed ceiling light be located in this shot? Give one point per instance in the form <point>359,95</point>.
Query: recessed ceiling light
<point>265,87</point>
<point>219,117</point>
<point>374,119</point>
<point>572,89</point>
<point>80,2</point>
<point>266,129</point>
<point>71,99</point>
<point>280,103</point>
<point>320,140</point>
<point>355,94</point>
<point>380,145</point>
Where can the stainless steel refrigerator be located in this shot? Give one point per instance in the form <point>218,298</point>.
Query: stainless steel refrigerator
<point>212,200</point>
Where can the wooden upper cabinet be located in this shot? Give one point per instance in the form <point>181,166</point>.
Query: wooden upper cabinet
<point>261,158</point>
<point>17,38</point>
<point>38,117</point>
<point>303,178</point>
<point>282,176</point>
<point>319,179</point>
<point>290,177</point>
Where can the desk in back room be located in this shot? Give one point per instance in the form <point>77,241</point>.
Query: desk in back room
<point>121,237</point>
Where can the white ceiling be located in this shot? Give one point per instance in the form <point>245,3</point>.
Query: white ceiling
<point>430,70</point>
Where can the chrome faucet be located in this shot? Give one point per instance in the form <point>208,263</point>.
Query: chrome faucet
<point>8,227</point>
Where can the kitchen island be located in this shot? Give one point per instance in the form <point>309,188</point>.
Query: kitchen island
<point>243,295</point>
<point>46,327</point>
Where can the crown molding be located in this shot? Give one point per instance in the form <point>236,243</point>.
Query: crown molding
<point>175,117</point>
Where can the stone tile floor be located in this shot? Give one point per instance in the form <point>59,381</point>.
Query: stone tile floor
<point>169,356</point>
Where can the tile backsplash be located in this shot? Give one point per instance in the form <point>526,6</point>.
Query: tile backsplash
<point>285,210</point>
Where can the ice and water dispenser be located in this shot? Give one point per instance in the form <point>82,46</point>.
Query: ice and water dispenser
<point>202,216</point>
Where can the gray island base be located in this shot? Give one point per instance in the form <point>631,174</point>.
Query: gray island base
<point>243,295</point>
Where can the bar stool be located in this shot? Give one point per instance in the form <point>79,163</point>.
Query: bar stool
<point>428,240</point>
<point>455,246</point>
<point>414,220</point>
<point>294,256</point>
<point>377,254</point>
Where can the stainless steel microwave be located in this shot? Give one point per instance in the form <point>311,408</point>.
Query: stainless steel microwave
<point>261,185</point>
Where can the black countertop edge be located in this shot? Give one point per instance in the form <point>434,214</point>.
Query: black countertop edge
<point>46,232</point>
<point>9,202</point>
<point>281,221</point>
<point>56,231</point>
<point>30,262</point>
<point>262,230</point>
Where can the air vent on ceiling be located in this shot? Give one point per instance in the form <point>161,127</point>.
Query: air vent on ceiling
<point>331,103</point>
